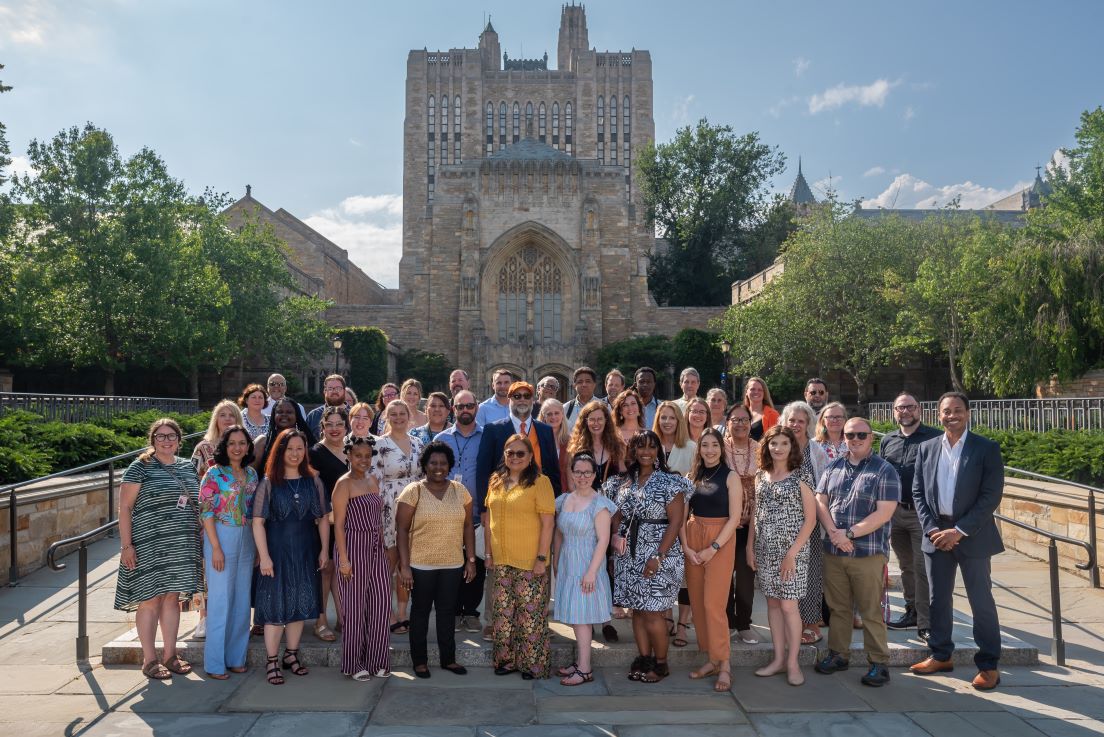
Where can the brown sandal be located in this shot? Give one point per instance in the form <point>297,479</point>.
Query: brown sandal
<point>156,671</point>
<point>178,665</point>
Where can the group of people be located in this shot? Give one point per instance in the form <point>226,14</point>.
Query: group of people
<point>622,506</point>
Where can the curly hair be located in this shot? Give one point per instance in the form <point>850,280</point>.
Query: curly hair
<point>222,457</point>
<point>582,439</point>
<point>440,447</point>
<point>645,439</point>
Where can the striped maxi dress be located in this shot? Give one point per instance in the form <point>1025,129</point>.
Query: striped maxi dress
<point>366,597</point>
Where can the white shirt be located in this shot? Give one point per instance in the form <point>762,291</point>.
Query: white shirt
<point>267,411</point>
<point>517,425</point>
<point>946,473</point>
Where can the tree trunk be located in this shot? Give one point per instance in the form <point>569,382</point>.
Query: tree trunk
<point>952,355</point>
<point>860,390</point>
<point>109,382</point>
<point>193,383</point>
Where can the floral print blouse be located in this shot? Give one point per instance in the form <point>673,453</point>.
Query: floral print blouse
<point>224,499</point>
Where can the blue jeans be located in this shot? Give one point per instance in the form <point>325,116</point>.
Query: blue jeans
<point>228,598</point>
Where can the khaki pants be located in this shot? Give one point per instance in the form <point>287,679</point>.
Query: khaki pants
<point>856,582</point>
<point>708,586</point>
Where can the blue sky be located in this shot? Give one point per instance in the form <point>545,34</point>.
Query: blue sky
<point>906,104</point>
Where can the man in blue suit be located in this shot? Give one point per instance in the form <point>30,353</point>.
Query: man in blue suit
<point>956,488</point>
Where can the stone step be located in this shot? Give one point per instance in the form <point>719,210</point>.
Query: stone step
<point>905,649</point>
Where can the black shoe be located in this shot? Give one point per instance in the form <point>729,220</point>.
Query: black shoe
<point>924,633</point>
<point>905,622</point>
<point>423,673</point>
<point>878,675</point>
<point>455,668</point>
<point>831,663</point>
<point>504,671</point>
<point>609,633</point>
<point>527,676</point>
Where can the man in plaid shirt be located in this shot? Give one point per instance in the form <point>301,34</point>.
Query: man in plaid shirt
<point>856,497</point>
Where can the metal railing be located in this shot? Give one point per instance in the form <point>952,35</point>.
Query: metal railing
<point>81,407</point>
<point>83,541</point>
<point>13,501</point>
<point>1058,645</point>
<point>1036,415</point>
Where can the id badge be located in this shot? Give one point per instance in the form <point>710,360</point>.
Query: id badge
<point>459,478</point>
<point>182,502</point>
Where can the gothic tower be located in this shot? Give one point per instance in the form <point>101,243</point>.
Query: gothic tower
<point>573,36</point>
<point>489,48</point>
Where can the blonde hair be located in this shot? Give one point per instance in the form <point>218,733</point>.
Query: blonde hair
<point>682,432</point>
<point>212,435</point>
<point>366,406</point>
<point>562,434</point>
<point>821,433</point>
<point>409,383</point>
<point>767,401</point>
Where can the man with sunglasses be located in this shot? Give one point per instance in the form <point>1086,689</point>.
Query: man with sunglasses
<point>465,438</point>
<point>900,448</point>
<point>816,394</point>
<point>277,390</point>
<point>958,485</point>
<point>855,498</point>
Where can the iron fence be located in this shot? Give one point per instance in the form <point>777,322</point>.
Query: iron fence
<point>81,407</point>
<point>1036,415</point>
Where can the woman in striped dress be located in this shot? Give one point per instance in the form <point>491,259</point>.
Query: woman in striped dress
<point>364,576</point>
<point>159,565</point>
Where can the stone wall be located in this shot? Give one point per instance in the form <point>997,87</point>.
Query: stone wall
<point>1089,385</point>
<point>1055,508</point>
<point>50,512</point>
<point>670,320</point>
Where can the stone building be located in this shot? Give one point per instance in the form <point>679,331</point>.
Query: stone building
<point>525,241</point>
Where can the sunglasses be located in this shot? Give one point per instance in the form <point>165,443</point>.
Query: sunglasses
<point>516,453</point>
<point>856,435</point>
<point>465,405</point>
<point>520,396</point>
<point>817,391</point>
<point>276,383</point>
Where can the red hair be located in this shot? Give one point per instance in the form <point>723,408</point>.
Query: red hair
<point>274,467</point>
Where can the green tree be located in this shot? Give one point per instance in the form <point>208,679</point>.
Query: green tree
<point>432,369</point>
<point>1078,192</point>
<point>365,350</point>
<point>698,348</point>
<point>705,192</point>
<point>629,355</point>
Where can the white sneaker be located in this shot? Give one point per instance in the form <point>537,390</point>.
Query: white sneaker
<point>201,629</point>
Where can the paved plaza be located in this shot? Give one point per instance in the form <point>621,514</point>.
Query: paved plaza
<point>45,693</point>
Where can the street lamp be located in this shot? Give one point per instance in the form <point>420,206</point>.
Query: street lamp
<point>726,348</point>
<point>337,352</point>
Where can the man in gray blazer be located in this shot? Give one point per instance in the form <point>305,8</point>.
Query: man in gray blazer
<point>957,486</point>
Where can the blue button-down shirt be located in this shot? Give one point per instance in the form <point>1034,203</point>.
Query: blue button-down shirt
<point>854,491</point>
<point>466,448</point>
<point>491,411</point>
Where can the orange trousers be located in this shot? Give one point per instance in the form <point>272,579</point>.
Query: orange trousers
<point>709,584</point>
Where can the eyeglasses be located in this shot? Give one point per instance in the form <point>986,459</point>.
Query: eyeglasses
<point>739,420</point>
<point>582,473</point>
<point>520,396</point>
<point>905,407</point>
<point>335,425</point>
<point>166,437</point>
<point>465,405</point>
<point>516,453</point>
<point>334,388</point>
<point>816,391</point>
<point>856,435</point>
<point>390,395</point>
<point>833,418</point>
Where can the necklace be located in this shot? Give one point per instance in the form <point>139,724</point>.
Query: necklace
<point>294,484</point>
<point>746,453</point>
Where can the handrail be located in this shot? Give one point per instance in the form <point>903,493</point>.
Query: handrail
<point>13,516</point>
<point>1058,644</point>
<point>82,574</point>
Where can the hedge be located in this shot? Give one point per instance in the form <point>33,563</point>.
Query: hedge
<point>31,446</point>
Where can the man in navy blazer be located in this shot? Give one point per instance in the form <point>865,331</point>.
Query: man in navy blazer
<point>956,488</point>
<point>496,433</point>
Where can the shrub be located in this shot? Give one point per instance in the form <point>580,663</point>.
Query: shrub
<point>77,443</point>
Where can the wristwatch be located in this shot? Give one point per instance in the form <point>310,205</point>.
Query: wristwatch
<point>542,558</point>
<point>714,545</point>
<point>850,535</point>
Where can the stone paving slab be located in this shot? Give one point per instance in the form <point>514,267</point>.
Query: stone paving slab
<point>774,694</point>
<point>191,694</point>
<point>678,682</point>
<point>547,687</point>
<point>334,724</point>
<point>114,680</point>
<point>671,709</point>
<point>35,679</point>
<point>697,730</point>
<point>1053,702</point>
<point>124,724</point>
<point>993,724</point>
<point>373,730</point>
<point>323,689</point>
<point>851,725</point>
<point>1068,727</point>
<point>75,711</point>
<point>549,730</point>
<point>907,693</point>
<point>440,678</point>
<point>452,707</point>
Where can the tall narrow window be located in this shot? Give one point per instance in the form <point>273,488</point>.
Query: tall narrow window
<point>517,122</point>
<point>456,131</point>
<point>625,128</point>
<point>501,125</point>
<point>490,128</point>
<point>556,124</point>
<point>567,127</point>
<point>530,275</point>
<point>431,116</point>
<point>541,121</point>
<point>528,118</point>
<point>601,145</point>
<point>444,129</point>
<point>431,148</point>
<point>613,130</point>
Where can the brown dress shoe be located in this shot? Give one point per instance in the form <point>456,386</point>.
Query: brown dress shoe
<point>986,680</point>
<point>930,665</point>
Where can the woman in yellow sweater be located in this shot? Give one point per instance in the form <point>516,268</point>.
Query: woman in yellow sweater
<point>518,521</point>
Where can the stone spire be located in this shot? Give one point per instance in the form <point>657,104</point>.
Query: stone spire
<point>489,48</point>
<point>800,193</point>
<point>573,35</point>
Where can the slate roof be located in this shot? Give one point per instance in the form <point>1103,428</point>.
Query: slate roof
<point>529,149</point>
<point>800,193</point>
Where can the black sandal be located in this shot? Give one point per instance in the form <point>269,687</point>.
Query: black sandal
<point>587,676</point>
<point>272,672</point>
<point>680,641</point>
<point>291,662</point>
<point>639,667</point>
<point>658,671</point>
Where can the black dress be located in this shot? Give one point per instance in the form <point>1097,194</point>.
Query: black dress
<point>330,468</point>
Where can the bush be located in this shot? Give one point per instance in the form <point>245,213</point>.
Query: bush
<point>365,350</point>
<point>75,444</point>
<point>137,424</point>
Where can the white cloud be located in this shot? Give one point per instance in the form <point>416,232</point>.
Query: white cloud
<point>909,113</point>
<point>1058,160</point>
<point>681,112</point>
<point>874,171</point>
<point>828,184</point>
<point>873,94</point>
<point>28,24</point>
<point>801,65</point>
<point>21,165</point>
<point>909,192</point>
<point>356,142</point>
<point>369,227</point>
<point>776,109</point>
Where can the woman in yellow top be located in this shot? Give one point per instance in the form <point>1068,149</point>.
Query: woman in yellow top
<point>434,528</point>
<point>518,523</point>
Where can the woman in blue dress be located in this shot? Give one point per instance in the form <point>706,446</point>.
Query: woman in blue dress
<point>583,595</point>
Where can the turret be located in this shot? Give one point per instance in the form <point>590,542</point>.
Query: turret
<point>489,48</point>
<point>573,35</point>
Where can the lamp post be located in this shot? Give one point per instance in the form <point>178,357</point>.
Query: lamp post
<point>337,353</point>
<point>726,347</point>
